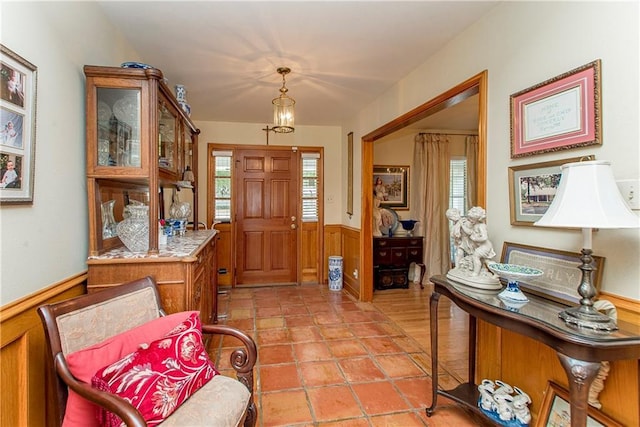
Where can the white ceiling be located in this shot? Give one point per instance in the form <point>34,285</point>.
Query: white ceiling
<point>342,55</point>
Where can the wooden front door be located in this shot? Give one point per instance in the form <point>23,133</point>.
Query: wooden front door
<point>266,206</point>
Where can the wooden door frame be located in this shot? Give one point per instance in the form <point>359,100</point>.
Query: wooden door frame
<point>475,85</point>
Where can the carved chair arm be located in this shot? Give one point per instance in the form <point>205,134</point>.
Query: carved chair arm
<point>242,360</point>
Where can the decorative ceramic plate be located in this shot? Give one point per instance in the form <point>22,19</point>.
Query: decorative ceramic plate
<point>104,112</point>
<point>514,272</point>
<point>126,110</point>
<point>389,213</point>
<point>135,65</point>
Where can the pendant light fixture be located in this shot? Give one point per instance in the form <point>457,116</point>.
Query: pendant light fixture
<point>283,107</point>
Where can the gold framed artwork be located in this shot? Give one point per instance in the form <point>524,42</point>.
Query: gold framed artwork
<point>558,114</point>
<point>391,186</point>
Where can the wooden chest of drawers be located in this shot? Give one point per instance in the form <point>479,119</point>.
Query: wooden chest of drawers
<point>392,257</point>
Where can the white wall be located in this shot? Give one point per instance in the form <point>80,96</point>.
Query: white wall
<point>47,242</point>
<point>252,134</point>
<point>522,44</point>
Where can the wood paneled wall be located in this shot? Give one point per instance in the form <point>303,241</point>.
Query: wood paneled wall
<point>309,260</point>
<point>528,364</point>
<point>23,352</point>
<point>351,260</point>
<point>345,242</point>
<point>223,254</point>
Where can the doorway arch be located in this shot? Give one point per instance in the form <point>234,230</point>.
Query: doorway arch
<point>474,85</point>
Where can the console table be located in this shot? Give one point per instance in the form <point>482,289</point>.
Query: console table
<point>580,350</point>
<point>392,257</point>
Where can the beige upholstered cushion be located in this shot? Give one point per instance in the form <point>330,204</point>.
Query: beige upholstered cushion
<point>93,324</point>
<point>221,403</point>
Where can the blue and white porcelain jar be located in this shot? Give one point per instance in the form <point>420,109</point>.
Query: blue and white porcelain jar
<point>181,93</point>
<point>335,273</point>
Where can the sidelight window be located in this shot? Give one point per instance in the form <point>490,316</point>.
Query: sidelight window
<point>310,163</point>
<point>222,186</point>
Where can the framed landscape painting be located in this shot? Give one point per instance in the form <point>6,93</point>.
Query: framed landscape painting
<point>533,187</point>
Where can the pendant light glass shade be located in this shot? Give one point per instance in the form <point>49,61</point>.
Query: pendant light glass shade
<point>283,107</point>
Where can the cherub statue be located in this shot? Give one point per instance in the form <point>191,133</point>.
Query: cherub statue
<point>472,248</point>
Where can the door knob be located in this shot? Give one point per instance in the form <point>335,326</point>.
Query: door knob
<point>293,226</point>
<point>293,218</point>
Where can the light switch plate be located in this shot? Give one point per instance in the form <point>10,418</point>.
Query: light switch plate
<point>630,190</point>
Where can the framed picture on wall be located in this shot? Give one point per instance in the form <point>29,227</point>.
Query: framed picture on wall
<point>558,114</point>
<point>556,411</point>
<point>391,186</point>
<point>532,188</point>
<point>17,127</point>
<point>350,174</point>
<point>562,276</point>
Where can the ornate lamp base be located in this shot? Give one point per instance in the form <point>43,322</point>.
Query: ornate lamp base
<point>585,315</point>
<point>584,318</point>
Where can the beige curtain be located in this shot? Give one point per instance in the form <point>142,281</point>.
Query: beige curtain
<point>471,154</point>
<point>431,171</point>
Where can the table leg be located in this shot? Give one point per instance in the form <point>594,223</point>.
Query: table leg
<point>581,375</point>
<point>433,323</point>
<point>472,348</point>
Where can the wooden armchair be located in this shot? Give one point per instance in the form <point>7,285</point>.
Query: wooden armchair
<point>110,322</point>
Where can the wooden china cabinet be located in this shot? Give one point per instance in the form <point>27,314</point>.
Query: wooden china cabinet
<point>139,143</point>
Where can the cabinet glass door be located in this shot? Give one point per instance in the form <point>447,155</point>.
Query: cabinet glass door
<point>118,124</point>
<point>167,138</point>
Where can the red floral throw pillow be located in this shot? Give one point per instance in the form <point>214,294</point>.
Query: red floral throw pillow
<point>157,379</point>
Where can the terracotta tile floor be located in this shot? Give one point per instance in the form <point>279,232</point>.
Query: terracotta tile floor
<point>325,359</point>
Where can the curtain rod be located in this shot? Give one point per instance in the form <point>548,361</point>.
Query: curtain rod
<point>447,133</point>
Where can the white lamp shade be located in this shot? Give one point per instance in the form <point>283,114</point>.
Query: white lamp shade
<point>588,197</point>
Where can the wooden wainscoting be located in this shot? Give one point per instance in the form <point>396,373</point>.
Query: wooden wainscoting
<point>224,252</point>
<point>343,241</point>
<point>309,259</point>
<point>332,247</point>
<point>23,352</point>
<point>528,364</point>
<point>351,260</point>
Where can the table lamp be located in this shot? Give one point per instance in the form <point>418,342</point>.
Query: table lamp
<point>588,198</point>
